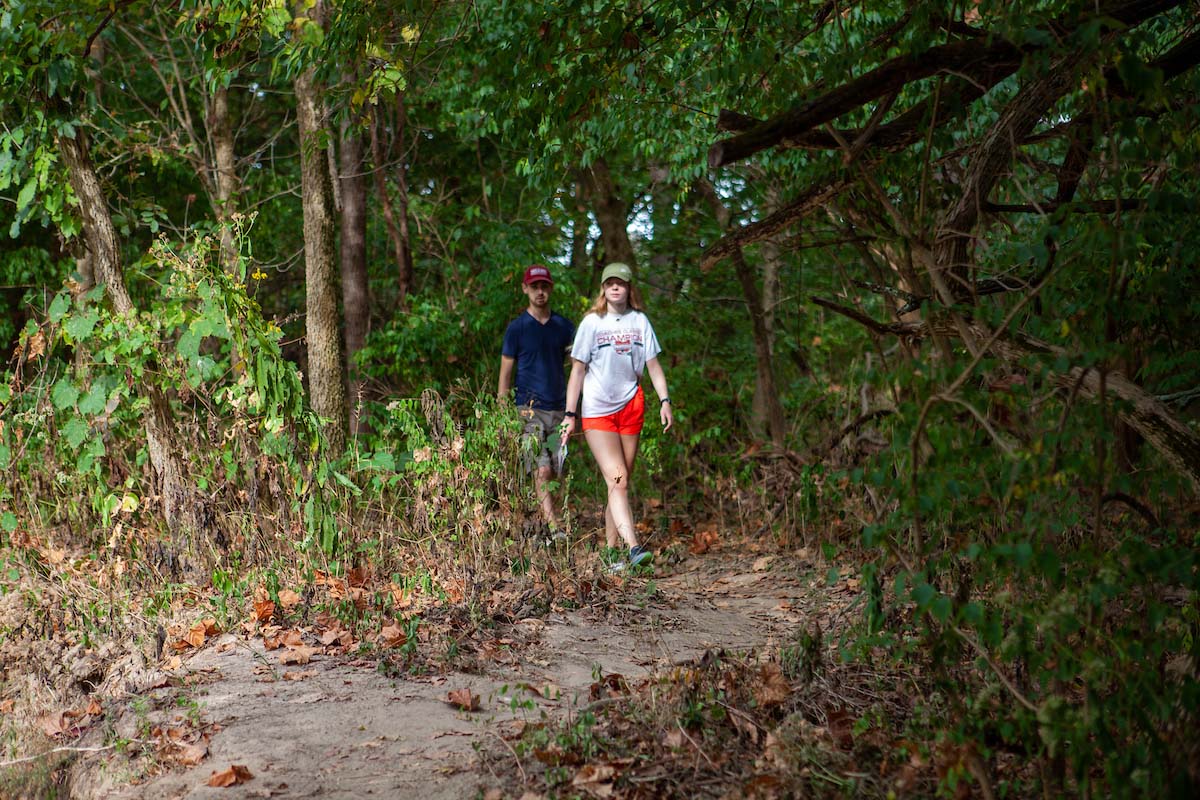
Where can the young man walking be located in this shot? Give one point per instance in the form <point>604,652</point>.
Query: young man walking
<point>535,346</point>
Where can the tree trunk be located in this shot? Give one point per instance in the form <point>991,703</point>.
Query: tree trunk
<point>325,378</point>
<point>397,228</point>
<point>580,233</point>
<point>163,442</point>
<point>766,391</point>
<point>220,133</point>
<point>767,408</point>
<point>662,216</point>
<point>612,215</point>
<point>355,296</point>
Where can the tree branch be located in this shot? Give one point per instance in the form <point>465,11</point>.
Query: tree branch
<point>1082,207</point>
<point>1175,441</point>
<point>978,65</point>
<point>800,207</point>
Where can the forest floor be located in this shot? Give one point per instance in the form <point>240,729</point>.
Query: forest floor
<point>288,711</point>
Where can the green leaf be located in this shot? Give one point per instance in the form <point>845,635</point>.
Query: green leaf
<point>93,402</point>
<point>64,394</point>
<point>59,306</point>
<point>26,195</point>
<point>923,593</point>
<point>941,608</point>
<point>972,613</point>
<point>80,327</point>
<point>344,481</point>
<point>381,460</point>
<point>8,522</point>
<point>75,431</point>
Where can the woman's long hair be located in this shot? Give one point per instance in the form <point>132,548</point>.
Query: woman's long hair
<point>600,305</point>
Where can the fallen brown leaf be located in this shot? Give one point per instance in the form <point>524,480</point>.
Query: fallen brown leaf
<point>703,541</point>
<point>336,636</point>
<point>233,776</point>
<point>192,754</point>
<point>264,610</point>
<point>773,688</point>
<point>463,699</point>
<point>199,632</point>
<point>299,655</point>
<point>299,676</point>
<point>54,724</point>
<point>288,598</point>
<point>392,636</point>
<point>841,727</point>
<point>595,779</point>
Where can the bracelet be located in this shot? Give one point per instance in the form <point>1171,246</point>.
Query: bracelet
<point>664,400</point>
<point>568,413</point>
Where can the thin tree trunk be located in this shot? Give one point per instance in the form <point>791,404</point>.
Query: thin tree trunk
<point>662,215</point>
<point>220,133</point>
<point>612,215</point>
<point>397,229</point>
<point>766,391</point>
<point>163,441</point>
<point>355,296</point>
<point>405,285</point>
<point>325,377</point>
<point>580,227</point>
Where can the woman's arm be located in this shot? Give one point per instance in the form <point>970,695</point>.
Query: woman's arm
<point>659,379</point>
<point>574,388</point>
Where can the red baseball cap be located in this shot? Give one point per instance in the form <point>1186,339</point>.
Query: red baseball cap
<point>537,272</point>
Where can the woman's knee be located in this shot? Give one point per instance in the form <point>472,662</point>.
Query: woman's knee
<point>618,482</point>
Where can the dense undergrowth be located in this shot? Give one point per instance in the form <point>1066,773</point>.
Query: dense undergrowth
<point>1029,618</point>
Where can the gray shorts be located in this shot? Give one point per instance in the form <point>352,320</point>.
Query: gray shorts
<point>542,437</point>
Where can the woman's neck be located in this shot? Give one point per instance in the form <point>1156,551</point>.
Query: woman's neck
<point>619,310</point>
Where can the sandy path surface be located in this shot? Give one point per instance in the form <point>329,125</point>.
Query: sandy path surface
<point>346,731</point>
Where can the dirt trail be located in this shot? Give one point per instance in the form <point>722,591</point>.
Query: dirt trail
<point>345,730</point>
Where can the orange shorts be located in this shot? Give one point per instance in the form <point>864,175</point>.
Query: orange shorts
<point>627,422</point>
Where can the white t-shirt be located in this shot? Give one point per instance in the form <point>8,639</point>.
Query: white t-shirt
<point>615,349</point>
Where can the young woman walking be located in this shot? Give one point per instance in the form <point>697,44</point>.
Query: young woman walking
<point>614,344</point>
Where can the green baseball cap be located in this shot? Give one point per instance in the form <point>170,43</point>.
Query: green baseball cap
<point>617,270</point>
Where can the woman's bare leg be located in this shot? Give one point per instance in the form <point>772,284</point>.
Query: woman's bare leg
<point>609,450</point>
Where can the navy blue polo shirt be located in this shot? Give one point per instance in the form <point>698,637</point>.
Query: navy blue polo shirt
<point>540,351</point>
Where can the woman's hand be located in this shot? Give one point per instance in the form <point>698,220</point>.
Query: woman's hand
<point>664,413</point>
<point>566,428</point>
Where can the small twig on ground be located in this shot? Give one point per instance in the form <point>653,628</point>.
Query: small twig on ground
<point>696,745</point>
<point>516,758</point>
<point>1004,679</point>
<point>36,756</point>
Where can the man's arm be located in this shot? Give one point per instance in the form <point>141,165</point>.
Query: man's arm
<point>506,375</point>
